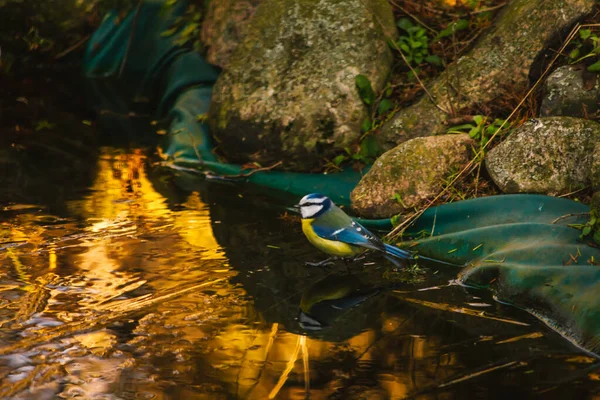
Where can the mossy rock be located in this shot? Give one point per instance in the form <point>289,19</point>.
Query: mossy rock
<point>546,155</point>
<point>224,27</point>
<point>570,91</point>
<point>407,175</point>
<point>289,91</point>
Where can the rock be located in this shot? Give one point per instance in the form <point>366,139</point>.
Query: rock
<point>550,155</point>
<point>289,92</point>
<point>570,91</point>
<point>503,59</point>
<point>224,28</point>
<point>595,169</point>
<point>414,171</point>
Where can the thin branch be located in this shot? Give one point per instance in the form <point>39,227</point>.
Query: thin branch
<point>247,174</point>
<point>70,49</point>
<point>488,9</point>
<point>131,35</point>
<point>574,191</point>
<point>569,215</point>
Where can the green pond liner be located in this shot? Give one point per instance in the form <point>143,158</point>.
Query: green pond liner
<point>521,247</point>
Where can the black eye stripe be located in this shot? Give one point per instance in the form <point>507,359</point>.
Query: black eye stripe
<point>311,204</point>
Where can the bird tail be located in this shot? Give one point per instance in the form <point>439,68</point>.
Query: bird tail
<point>398,252</point>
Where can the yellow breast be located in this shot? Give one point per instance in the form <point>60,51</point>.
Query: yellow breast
<point>331,247</point>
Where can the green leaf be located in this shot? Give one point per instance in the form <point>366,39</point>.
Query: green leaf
<point>384,106</point>
<point>434,60</point>
<point>593,221</point>
<point>587,230</point>
<point>574,54</point>
<point>365,91</point>
<point>493,128</point>
<point>366,125</point>
<point>595,67</point>
<point>405,48</point>
<point>597,237</point>
<point>459,25</point>
<point>339,159</point>
<point>404,23</point>
<point>478,119</point>
<point>418,59</point>
<point>44,124</point>
<point>585,33</point>
<point>189,29</point>
<point>462,127</point>
<point>369,147</point>
<point>388,91</point>
<point>169,32</point>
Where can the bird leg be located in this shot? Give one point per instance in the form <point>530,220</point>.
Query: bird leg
<point>324,263</point>
<point>358,257</point>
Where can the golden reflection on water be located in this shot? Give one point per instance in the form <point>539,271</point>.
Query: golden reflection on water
<point>131,297</point>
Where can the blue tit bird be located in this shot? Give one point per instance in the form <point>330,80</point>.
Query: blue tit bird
<point>332,231</point>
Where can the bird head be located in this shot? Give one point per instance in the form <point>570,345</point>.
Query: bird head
<point>314,204</point>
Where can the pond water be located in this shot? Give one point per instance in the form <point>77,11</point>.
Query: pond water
<point>141,285</point>
<point>143,290</point>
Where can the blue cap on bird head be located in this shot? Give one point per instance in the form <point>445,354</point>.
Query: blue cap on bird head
<point>314,204</point>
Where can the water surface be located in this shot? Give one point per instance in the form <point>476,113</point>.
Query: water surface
<point>132,288</point>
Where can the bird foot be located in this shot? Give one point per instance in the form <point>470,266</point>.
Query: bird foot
<point>354,259</point>
<point>324,263</point>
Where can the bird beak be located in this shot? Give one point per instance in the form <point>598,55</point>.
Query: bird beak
<point>296,206</point>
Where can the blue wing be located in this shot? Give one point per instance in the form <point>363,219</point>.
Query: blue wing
<point>337,225</point>
<point>352,233</point>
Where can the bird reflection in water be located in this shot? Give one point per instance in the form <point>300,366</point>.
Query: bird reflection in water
<point>329,298</point>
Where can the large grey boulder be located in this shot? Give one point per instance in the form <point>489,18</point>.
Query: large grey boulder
<point>289,91</point>
<point>547,155</point>
<point>224,27</point>
<point>570,91</point>
<point>414,171</point>
<point>506,57</point>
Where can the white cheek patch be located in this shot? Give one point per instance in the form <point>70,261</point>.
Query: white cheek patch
<point>309,211</point>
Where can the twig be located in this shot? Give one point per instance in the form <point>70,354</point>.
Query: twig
<point>434,220</point>
<point>569,215</point>
<point>574,191</point>
<point>70,49</point>
<point>488,9</point>
<point>131,35</point>
<point>195,147</point>
<point>247,174</point>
